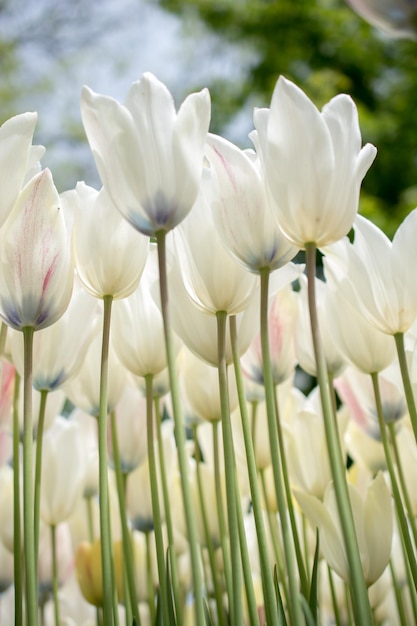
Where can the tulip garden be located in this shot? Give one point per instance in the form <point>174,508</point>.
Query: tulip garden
<point>208,374</point>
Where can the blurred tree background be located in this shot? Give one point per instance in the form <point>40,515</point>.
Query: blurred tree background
<point>237,48</point>
<point>325,48</point>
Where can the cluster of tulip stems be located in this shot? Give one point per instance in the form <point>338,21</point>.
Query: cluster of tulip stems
<point>159,461</point>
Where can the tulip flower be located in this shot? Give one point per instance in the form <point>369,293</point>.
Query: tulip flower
<point>359,342</point>
<point>137,330</point>
<point>241,212</point>
<point>130,416</point>
<point>303,339</point>
<point>60,348</point>
<point>15,155</point>
<point>314,164</point>
<point>36,266</point>
<point>84,389</point>
<point>377,275</point>
<point>397,18</point>
<point>214,280</point>
<point>149,156</point>
<point>63,471</point>
<point>373,523</point>
<point>282,318</point>
<point>109,254</point>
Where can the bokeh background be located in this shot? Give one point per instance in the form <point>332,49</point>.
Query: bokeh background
<point>49,49</point>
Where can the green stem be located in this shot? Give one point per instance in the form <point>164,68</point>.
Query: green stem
<point>220,512</point>
<point>28,528</point>
<point>265,563</point>
<point>156,511</point>
<point>408,389</point>
<point>403,484</point>
<point>131,600</point>
<point>297,546</point>
<point>361,606</point>
<point>209,543</point>
<point>17,546</point>
<point>55,582</point>
<point>296,615</point>
<point>150,583</point>
<point>168,516</point>
<point>274,534</point>
<point>335,602</point>
<point>402,519</point>
<point>105,533</point>
<point>398,595</point>
<point>38,466</point>
<point>180,433</point>
<point>230,469</point>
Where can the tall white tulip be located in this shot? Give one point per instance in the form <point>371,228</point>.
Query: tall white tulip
<point>109,254</point>
<point>15,158</point>
<point>36,264</point>
<point>314,164</point>
<point>149,156</point>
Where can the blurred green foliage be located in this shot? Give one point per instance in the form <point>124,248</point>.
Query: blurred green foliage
<point>325,48</point>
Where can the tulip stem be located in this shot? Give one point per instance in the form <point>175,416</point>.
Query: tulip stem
<point>55,575</point>
<point>105,533</point>
<point>266,569</point>
<point>361,606</point>
<point>225,547</point>
<point>180,433</point>
<point>128,560</point>
<point>408,390</point>
<point>208,539</point>
<point>38,468</point>
<point>168,516</point>
<point>402,519</point>
<point>17,562</point>
<point>236,604</point>
<point>28,528</point>
<point>296,616</point>
<point>156,510</point>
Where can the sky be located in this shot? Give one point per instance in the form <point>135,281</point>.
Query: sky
<point>106,45</point>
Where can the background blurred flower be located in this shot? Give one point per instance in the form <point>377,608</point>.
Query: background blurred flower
<point>396,17</point>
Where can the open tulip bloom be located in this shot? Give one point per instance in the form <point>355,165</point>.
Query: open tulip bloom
<point>272,499</point>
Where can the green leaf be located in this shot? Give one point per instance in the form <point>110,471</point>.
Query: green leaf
<point>313,600</point>
<point>282,620</point>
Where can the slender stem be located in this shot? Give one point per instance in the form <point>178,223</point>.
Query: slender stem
<point>3,337</point>
<point>403,484</point>
<point>17,546</point>
<point>105,533</point>
<point>402,519</point>
<point>361,606</point>
<point>208,539</point>
<point>335,603</point>
<point>220,512</point>
<point>90,518</point>
<point>156,511</point>
<point>180,434</point>
<point>288,494</point>
<point>151,589</point>
<point>408,390</point>
<point>266,570</point>
<point>28,528</point>
<point>229,468</point>
<point>273,532</point>
<point>38,466</point>
<point>131,601</point>
<point>296,616</point>
<point>398,595</point>
<point>168,516</point>
<point>55,582</point>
